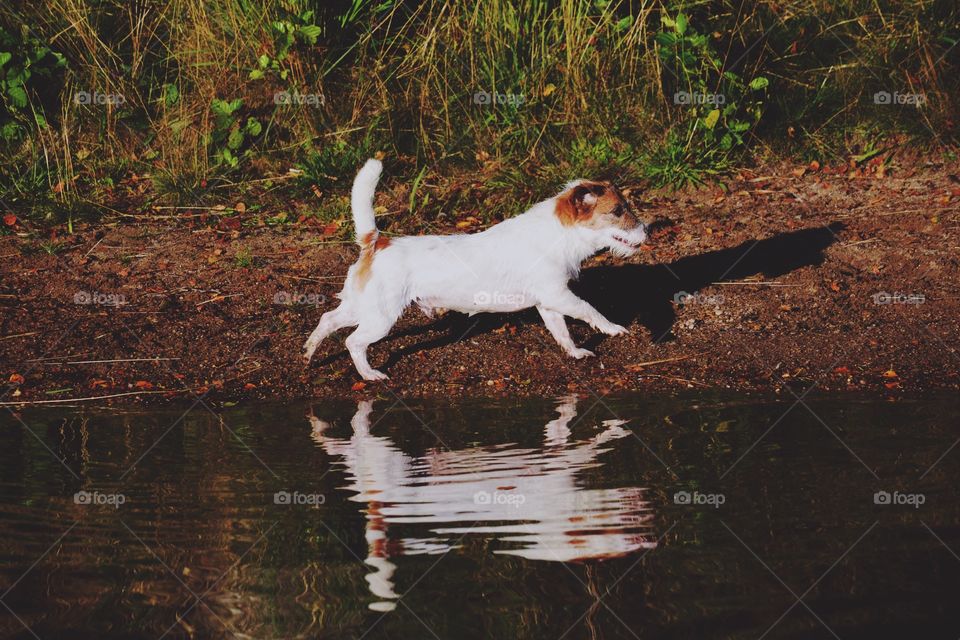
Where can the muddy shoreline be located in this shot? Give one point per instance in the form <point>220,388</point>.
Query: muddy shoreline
<point>789,279</point>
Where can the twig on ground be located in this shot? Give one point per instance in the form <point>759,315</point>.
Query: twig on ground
<point>639,365</point>
<point>218,298</point>
<point>758,283</point>
<point>91,398</point>
<point>19,335</point>
<point>107,361</point>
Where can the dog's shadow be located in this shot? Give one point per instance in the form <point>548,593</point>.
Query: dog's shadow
<point>646,293</point>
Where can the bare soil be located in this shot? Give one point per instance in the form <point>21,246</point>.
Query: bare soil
<point>841,278</point>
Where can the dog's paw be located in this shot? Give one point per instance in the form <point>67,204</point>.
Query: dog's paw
<point>613,329</point>
<point>374,375</point>
<point>579,354</point>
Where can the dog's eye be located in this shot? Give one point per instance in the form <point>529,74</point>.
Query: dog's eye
<point>619,211</point>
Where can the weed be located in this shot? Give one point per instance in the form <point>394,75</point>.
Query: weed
<point>243,258</point>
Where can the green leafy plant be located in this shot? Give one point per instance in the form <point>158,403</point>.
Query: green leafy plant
<point>24,62</point>
<point>333,160</point>
<point>230,132</point>
<point>286,33</point>
<point>718,107</point>
<point>243,258</point>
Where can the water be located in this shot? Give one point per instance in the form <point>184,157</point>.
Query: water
<point>636,517</point>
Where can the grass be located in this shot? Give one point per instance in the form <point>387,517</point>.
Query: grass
<point>193,103</point>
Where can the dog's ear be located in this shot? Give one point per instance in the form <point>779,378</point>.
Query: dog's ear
<point>584,199</point>
<point>576,203</point>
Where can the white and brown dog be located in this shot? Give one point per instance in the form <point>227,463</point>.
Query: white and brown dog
<point>522,262</point>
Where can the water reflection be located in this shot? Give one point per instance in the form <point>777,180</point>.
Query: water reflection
<point>530,502</point>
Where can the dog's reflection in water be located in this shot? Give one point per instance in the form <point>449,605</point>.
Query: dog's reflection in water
<point>528,500</point>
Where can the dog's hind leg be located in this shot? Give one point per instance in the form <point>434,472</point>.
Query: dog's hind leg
<point>371,329</point>
<point>557,327</point>
<point>342,316</point>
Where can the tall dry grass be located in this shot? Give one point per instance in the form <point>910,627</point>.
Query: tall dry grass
<point>586,87</point>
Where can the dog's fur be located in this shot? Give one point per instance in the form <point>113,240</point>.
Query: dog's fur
<point>522,262</point>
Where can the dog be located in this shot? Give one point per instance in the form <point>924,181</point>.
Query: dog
<point>522,262</point>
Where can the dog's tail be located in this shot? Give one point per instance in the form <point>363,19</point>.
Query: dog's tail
<point>361,202</point>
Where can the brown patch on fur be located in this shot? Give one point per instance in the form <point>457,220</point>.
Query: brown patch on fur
<point>610,208</point>
<point>372,242</point>
<point>565,210</point>
<point>572,209</point>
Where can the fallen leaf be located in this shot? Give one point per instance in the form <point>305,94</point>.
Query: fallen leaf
<point>890,374</point>
<point>249,386</point>
<point>240,207</point>
<point>814,166</point>
<point>16,378</point>
<point>9,219</point>
<point>142,384</point>
<point>358,386</point>
<point>331,228</point>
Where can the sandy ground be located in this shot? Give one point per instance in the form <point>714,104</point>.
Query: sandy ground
<point>843,279</point>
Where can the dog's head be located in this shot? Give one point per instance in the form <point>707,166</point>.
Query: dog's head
<point>600,210</point>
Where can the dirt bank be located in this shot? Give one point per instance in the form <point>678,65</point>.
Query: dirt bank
<point>843,280</point>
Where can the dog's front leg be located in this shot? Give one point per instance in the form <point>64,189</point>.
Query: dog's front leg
<point>565,302</point>
<point>557,327</point>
